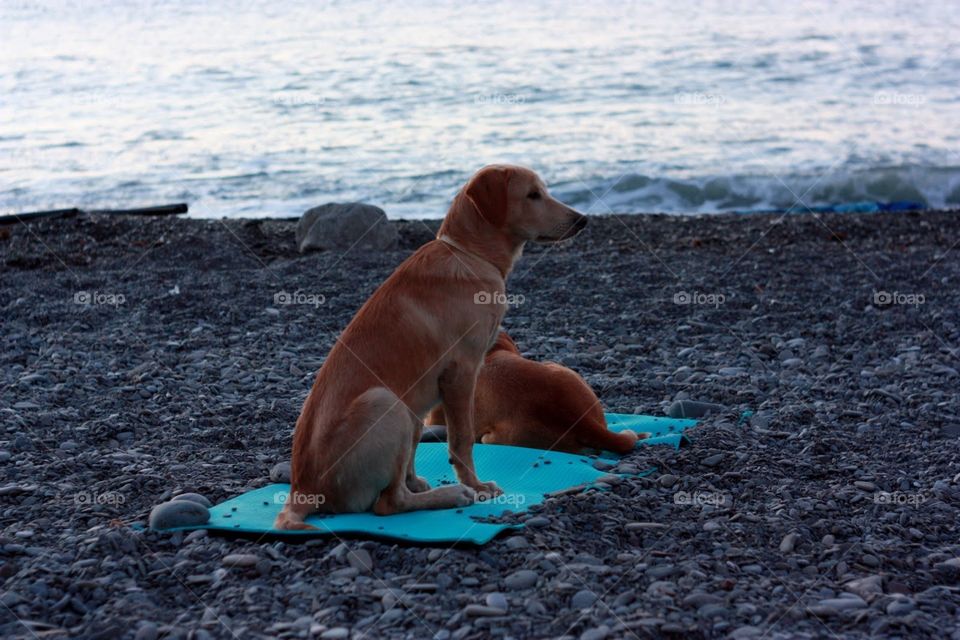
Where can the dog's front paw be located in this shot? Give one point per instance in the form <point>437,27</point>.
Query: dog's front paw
<point>487,490</point>
<point>464,496</point>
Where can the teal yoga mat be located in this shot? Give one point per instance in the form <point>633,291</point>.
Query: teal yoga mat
<point>525,475</point>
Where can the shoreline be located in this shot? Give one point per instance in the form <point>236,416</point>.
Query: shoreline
<point>181,369</point>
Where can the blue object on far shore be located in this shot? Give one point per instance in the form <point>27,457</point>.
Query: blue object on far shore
<point>865,206</point>
<point>525,475</point>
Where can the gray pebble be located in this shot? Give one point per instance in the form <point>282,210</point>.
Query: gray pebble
<point>195,497</point>
<point>497,601</point>
<point>789,542</point>
<point>693,409</point>
<point>583,599</point>
<point>178,513</point>
<point>280,472</point>
<point>480,610</point>
<point>361,560</point>
<point>597,633</point>
<point>522,579</point>
<point>146,631</point>
<point>714,460</point>
<point>240,560</point>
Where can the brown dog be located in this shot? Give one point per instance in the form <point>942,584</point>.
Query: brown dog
<point>420,339</point>
<point>542,405</point>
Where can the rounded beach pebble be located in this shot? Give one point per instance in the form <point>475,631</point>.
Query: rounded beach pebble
<point>193,497</point>
<point>280,472</point>
<point>692,409</point>
<point>178,513</point>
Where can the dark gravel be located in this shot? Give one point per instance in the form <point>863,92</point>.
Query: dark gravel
<point>832,511</point>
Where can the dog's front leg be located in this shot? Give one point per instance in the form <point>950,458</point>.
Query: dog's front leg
<point>457,386</point>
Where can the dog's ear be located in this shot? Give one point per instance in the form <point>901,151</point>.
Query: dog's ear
<point>488,192</point>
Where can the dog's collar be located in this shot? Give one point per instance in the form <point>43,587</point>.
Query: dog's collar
<point>459,247</point>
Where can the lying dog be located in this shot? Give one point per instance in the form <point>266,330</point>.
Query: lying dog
<point>420,339</point>
<point>542,405</point>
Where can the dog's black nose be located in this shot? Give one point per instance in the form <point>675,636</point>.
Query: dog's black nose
<point>580,223</point>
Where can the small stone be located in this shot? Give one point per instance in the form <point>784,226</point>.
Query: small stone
<point>645,526</point>
<point>336,633</point>
<point>280,472</point>
<point>870,560</point>
<point>698,599</point>
<point>667,480</point>
<point>844,604</point>
<point>900,606</point>
<point>146,631</point>
<point>693,409</point>
<point>537,521</point>
<point>583,599</point>
<point>948,569</point>
<point>789,542</point>
<point>178,513</point>
<point>360,560</point>
<point>497,600</point>
<point>867,588</point>
<point>480,610</point>
<point>865,486</point>
<point>195,497</point>
<point>240,560</point>
<point>714,460</point>
<point>597,633</point>
<point>516,542</point>
<point>522,579</point>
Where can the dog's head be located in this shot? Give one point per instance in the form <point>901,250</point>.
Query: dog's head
<point>515,202</point>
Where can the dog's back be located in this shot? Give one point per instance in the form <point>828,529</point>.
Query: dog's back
<point>543,405</point>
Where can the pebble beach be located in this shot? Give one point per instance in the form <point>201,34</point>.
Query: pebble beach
<point>145,358</point>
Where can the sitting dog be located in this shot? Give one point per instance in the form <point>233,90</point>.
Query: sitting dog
<point>420,339</point>
<point>542,405</point>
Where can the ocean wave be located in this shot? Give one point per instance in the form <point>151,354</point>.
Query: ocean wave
<point>923,187</point>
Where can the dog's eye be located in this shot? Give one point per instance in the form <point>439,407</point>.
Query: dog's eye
<point>534,195</point>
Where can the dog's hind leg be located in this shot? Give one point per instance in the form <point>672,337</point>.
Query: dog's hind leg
<point>389,446</point>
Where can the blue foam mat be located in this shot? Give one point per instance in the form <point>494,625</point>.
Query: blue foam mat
<point>525,475</point>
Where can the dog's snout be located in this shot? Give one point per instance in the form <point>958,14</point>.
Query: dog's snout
<point>580,223</point>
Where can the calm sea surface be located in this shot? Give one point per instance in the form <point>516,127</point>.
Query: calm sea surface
<point>267,108</point>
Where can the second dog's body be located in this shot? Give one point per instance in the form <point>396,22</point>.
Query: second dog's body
<point>542,405</point>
